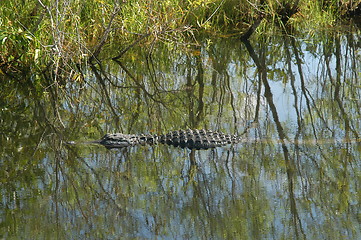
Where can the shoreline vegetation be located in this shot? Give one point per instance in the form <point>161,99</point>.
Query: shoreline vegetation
<point>57,36</point>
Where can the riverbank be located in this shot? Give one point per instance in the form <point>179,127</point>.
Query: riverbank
<point>43,35</point>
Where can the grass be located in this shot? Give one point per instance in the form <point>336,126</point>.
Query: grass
<point>57,35</point>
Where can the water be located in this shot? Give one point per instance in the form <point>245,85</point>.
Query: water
<point>296,175</point>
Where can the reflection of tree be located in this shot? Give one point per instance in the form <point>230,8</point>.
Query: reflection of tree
<point>256,189</point>
<point>22,136</point>
<point>195,113</point>
<point>262,71</point>
<point>320,113</point>
<point>337,83</point>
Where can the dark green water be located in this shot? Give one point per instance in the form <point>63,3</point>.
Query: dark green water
<point>297,174</point>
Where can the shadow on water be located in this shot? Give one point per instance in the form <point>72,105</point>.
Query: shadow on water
<point>296,174</point>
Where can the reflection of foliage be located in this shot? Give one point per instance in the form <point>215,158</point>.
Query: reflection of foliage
<point>21,172</point>
<point>256,189</point>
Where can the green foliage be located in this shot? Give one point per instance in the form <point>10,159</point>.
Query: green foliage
<point>61,34</point>
<point>16,44</point>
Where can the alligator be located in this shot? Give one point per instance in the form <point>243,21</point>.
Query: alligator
<point>192,139</point>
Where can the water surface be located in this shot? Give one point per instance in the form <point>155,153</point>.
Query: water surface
<point>296,175</point>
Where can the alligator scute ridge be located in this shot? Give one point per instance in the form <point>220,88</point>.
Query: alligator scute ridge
<point>192,139</point>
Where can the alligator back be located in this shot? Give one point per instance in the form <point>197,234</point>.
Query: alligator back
<point>192,139</point>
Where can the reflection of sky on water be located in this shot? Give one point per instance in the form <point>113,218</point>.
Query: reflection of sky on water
<point>283,94</point>
<point>154,184</point>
